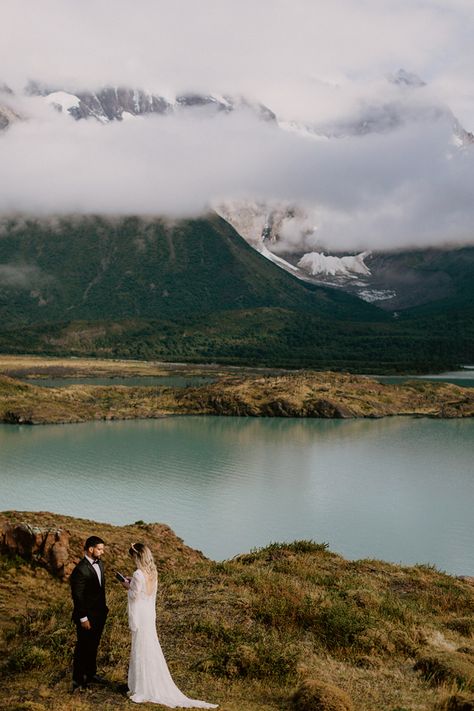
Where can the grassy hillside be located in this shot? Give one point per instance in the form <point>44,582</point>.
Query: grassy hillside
<point>90,268</point>
<point>248,632</point>
<point>423,277</point>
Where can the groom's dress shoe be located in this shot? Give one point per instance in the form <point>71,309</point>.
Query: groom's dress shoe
<point>78,688</point>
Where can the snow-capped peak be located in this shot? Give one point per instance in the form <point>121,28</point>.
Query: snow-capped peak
<point>63,100</point>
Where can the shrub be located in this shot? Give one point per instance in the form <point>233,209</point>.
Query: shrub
<point>236,655</point>
<point>445,667</point>
<point>463,625</point>
<point>28,656</point>
<point>283,604</point>
<point>456,702</point>
<point>277,551</point>
<point>340,625</point>
<point>315,695</point>
<point>303,546</point>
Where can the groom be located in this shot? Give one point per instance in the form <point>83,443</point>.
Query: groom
<point>89,613</point>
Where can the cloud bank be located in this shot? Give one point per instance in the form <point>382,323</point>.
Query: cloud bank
<point>304,58</point>
<point>311,62</point>
<point>382,190</point>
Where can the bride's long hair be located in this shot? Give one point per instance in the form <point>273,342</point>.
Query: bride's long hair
<point>143,558</point>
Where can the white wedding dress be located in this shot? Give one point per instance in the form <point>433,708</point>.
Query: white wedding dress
<point>149,678</point>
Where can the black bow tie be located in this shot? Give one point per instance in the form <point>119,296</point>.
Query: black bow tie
<point>96,562</point>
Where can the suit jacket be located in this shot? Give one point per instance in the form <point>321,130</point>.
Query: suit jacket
<point>88,594</point>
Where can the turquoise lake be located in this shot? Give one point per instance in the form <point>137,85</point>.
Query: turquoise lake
<point>399,489</point>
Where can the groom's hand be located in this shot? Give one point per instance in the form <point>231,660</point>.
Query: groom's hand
<point>86,625</point>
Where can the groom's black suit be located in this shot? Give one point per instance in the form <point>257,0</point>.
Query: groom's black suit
<point>88,595</point>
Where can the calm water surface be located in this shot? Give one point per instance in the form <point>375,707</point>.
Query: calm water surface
<point>401,489</point>
<point>463,378</point>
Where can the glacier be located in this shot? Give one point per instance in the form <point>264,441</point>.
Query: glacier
<point>350,267</point>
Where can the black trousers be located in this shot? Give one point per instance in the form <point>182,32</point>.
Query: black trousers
<point>85,653</point>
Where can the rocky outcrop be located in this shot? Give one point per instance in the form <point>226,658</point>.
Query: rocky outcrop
<point>56,543</point>
<point>45,546</point>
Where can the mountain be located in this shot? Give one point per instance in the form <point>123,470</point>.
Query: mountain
<point>192,290</point>
<point>118,103</point>
<point>393,280</point>
<point>93,267</point>
<point>134,287</point>
<point>405,103</point>
<point>402,102</point>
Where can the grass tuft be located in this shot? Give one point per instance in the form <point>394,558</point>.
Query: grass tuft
<point>314,695</point>
<point>447,668</point>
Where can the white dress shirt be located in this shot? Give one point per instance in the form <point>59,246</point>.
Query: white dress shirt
<point>99,575</point>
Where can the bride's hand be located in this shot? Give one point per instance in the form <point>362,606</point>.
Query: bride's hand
<point>126,583</point>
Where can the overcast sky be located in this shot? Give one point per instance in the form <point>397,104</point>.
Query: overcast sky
<point>310,61</point>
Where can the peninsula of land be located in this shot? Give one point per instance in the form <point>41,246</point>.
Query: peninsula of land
<point>246,392</point>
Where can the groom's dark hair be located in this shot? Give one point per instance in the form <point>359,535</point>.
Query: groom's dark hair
<point>93,541</point>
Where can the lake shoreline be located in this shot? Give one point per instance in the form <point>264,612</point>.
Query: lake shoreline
<point>244,392</point>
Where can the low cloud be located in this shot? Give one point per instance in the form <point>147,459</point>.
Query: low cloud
<point>410,186</point>
<point>303,58</point>
<point>20,276</point>
<point>320,64</point>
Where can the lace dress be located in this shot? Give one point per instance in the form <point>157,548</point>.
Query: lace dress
<point>149,678</point>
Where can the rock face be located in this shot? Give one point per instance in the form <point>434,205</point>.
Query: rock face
<point>116,103</point>
<point>7,116</point>
<point>45,546</point>
<point>56,542</point>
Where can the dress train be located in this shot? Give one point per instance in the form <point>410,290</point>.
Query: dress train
<point>149,678</point>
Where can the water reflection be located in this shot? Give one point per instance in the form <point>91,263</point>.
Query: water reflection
<point>463,378</point>
<point>396,488</point>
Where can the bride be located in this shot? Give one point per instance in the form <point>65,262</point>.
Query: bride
<point>149,678</point>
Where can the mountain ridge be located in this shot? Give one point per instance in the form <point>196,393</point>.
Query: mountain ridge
<point>195,291</point>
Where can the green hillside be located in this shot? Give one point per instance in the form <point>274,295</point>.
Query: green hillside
<point>91,268</point>
<point>425,278</point>
<point>193,290</point>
